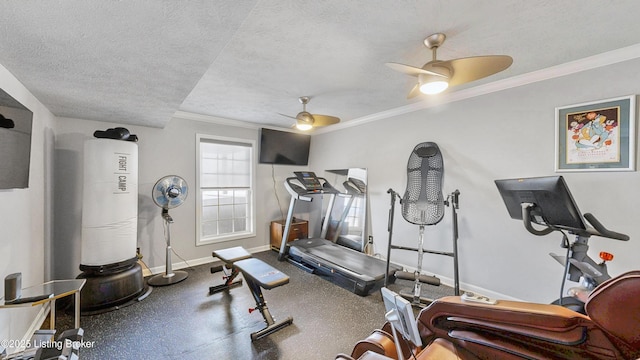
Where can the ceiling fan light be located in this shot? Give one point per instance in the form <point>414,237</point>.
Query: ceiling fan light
<point>303,126</point>
<point>432,84</point>
<point>304,121</point>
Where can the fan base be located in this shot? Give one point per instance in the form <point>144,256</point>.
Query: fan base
<point>304,100</point>
<point>434,41</point>
<point>168,279</point>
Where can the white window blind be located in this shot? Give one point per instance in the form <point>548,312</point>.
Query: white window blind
<point>225,189</point>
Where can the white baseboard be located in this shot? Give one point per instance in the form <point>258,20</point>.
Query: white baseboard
<point>443,279</point>
<point>194,262</point>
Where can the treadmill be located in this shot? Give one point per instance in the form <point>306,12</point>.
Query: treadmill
<point>351,269</point>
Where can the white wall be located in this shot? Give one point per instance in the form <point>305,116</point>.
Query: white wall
<point>167,151</point>
<point>501,135</point>
<point>25,216</point>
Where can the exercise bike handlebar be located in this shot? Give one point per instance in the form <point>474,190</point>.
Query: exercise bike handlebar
<point>597,228</point>
<point>600,230</point>
<point>526,220</point>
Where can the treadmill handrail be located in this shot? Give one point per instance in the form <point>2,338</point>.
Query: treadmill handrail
<point>352,187</point>
<point>298,192</point>
<point>297,189</point>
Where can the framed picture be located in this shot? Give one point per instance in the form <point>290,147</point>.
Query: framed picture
<point>596,136</point>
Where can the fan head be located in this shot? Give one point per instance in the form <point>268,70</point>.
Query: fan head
<point>170,191</point>
<point>436,75</point>
<point>306,121</point>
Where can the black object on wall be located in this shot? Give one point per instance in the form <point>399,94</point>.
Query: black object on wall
<point>283,147</point>
<point>118,133</point>
<point>15,143</point>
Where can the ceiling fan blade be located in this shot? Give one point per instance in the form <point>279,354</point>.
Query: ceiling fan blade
<point>474,68</point>
<point>324,120</point>
<point>414,92</point>
<point>290,117</point>
<point>411,70</point>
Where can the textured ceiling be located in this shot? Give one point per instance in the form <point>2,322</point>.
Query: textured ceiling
<point>138,62</point>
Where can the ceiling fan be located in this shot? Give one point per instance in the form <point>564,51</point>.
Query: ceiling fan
<point>436,76</point>
<point>306,120</point>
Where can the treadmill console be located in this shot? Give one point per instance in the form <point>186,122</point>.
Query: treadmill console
<point>309,180</point>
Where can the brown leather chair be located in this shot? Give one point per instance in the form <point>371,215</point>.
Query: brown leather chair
<point>380,346</point>
<point>517,330</point>
<point>439,349</point>
<point>380,342</point>
<point>455,329</point>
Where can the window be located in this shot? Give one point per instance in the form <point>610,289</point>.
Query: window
<point>225,189</point>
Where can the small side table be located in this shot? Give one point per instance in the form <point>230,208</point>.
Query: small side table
<point>299,230</point>
<point>59,289</point>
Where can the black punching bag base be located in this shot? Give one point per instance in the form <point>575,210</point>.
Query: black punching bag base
<point>106,292</point>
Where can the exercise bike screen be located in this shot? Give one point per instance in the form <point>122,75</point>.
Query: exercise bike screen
<point>553,203</point>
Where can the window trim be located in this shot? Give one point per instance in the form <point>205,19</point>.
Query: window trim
<point>200,241</point>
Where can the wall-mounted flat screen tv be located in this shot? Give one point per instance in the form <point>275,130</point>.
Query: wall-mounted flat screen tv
<point>15,143</point>
<point>283,147</point>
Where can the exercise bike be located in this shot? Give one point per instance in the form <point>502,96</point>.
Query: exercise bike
<point>580,267</point>
<point>547,202</point>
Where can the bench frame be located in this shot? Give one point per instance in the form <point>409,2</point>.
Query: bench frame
<point>244,265</point>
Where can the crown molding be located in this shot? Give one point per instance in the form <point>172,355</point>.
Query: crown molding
<point>215,120</point>
<point>573,67</point>
<point>588,63</point>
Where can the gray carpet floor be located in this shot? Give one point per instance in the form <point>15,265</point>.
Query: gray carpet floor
<point>183,321</point>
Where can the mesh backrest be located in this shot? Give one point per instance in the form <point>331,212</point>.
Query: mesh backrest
<point>423,203</point>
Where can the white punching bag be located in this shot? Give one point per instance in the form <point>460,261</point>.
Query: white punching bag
<point>109,202</point>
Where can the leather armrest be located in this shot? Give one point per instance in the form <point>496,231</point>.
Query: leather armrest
<point>514,328</point>
<point>379,342</point>
<point>570,336</point>
<point>547,318</point>
<point>439,349</point>
<point>500,347</point>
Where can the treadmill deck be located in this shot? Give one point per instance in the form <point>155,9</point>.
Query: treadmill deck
<point>362,269</point>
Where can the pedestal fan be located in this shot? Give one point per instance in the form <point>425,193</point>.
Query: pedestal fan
<point>169,192</point>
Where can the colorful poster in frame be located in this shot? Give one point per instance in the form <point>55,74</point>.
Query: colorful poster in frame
<point>596,136</point>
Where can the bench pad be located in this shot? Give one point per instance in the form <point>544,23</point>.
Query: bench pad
<point>231,255</point>
<point>262,273</point>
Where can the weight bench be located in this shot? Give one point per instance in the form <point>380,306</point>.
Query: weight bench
<point>258,275</point>
<point>228,256</point>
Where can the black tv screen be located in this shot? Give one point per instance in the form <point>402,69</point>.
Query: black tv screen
<point>283,147</point>
<point>15,143</point>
